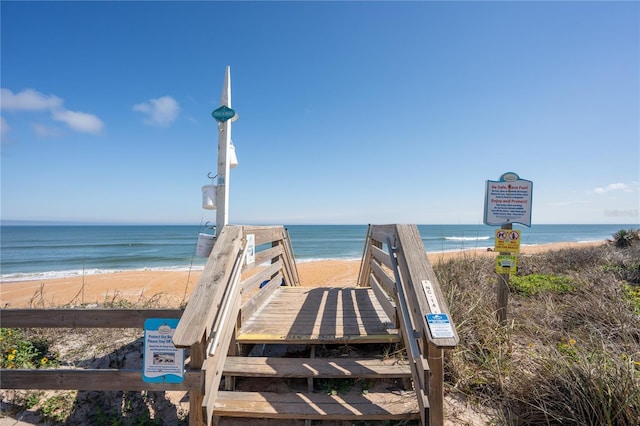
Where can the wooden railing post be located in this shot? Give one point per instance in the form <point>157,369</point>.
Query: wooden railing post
<point>436,385</point>
<point>197,358</point>
<point>502,290</point>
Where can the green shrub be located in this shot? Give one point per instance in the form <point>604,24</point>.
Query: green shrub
<point>626,237</point>
<point>57,408</point>
<point>629,272</point>
<point>632,295</point>
<point>533,284</point>
<point>19,351</point>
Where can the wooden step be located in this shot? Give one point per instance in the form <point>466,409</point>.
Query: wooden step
<point>299,315</point>
<point>317,406</point>
<point>316,367</point>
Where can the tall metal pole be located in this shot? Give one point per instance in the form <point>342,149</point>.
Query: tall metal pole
<point>224,141</point>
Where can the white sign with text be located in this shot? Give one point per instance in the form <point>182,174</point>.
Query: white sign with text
<point>508,200</point>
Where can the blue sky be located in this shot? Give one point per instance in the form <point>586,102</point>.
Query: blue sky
<point>349,112</point>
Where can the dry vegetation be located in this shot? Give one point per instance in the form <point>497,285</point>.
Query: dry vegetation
<point>568,355</point>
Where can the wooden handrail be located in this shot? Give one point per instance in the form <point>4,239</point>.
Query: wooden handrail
<point>419,366</point>
<point>206,298</point>
<point>411,278</point>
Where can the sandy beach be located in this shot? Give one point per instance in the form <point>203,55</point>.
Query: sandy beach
<point>171,289</point>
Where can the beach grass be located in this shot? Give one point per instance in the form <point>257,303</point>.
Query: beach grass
<point>568,354</point>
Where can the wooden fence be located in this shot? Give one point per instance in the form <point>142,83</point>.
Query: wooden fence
<point>229,291</point>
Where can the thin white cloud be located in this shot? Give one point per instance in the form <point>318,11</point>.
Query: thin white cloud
<point>612,187</point>
<point>80,121</point>
<point>4,127</point>
<point>160,111</point>
<point>32,100</point>
<point>45,131</point>
<point>28,100</point>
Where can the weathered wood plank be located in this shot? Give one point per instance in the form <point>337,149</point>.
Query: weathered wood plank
<point>251,305</point>
<point>385,300</point>
<point>82,318</point>
<point>381,256</point>
<point>316,339</point>
<point>299,315</point>
<point>264,234</point>
<point>291,270</point>
<point>316,367</point>
<point>388,283</point>
<point>90,379</point>
<point>317,406</point>
<point>207,295</point>
<point>414,267</point>
<point>380,233</point>
<point>267,255</point>
<point>252,283</point>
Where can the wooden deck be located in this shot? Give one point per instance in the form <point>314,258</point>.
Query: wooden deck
<point>318,406</point>
<point>325,315</point>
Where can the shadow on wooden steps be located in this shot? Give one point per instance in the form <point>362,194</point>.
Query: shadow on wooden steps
<point>381,399</point>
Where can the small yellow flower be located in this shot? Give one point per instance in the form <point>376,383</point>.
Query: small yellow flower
<point>44,360</point>
<point>14,351</point>
<point>10,357</point>
<point>572,342</point>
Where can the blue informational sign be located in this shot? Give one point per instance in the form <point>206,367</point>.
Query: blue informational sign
<point>439,325</point>
<point>163,362</point>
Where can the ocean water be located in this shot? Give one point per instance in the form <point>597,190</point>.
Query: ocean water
<point>43,252</point>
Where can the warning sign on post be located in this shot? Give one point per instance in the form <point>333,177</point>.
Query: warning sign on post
<point>508,200</point>
<point>507,240</point>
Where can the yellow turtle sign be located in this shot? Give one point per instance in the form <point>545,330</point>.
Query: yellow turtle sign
<point>507,240</point>
<point>506,264</point>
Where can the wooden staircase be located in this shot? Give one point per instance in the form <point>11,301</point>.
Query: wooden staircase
<point>249,296</point>
<point>345,371</point>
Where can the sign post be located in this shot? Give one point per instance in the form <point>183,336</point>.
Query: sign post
<point>507,201</point>
<point>224,115</point>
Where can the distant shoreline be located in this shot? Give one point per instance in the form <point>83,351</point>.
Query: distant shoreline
<point>78,273</point>
<point>172,288</point>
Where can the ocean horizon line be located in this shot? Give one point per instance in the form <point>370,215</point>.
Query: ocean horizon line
<point>14,222</point>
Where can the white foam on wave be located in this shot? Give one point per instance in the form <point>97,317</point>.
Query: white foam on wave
<point>52,275</point>
<point>320,259</point>
<point>483,238</point>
